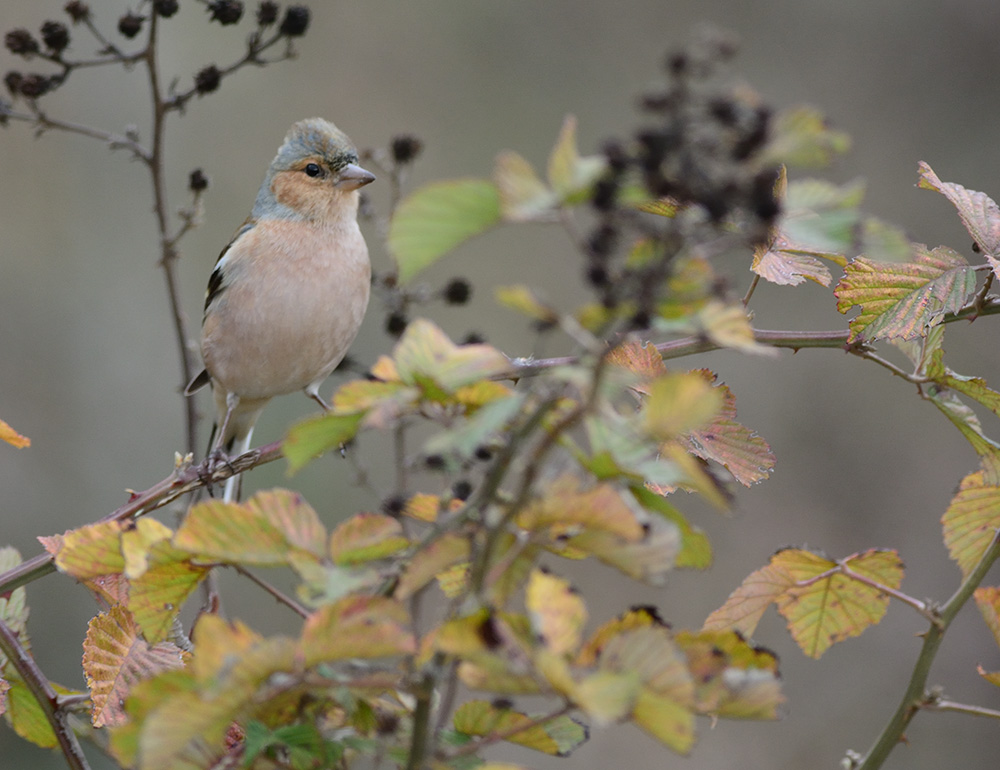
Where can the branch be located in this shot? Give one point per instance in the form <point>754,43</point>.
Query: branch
<point>184,479</point>
<point>962,708</point>
<point>44,695</point>
<point>281,598</point>
<point>916,696</point>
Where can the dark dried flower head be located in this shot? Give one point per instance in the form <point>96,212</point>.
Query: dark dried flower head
<point>393,505</point>
<point>13,81</point>
<point>267,13</point>
<point>435,462</point>
<point>197,181</point>
<point>296,21</point>
<point>225,11</point>
<point>77,11</point>
<point>405,148</point>
<point>55,35</point>
<point>33,86</point>
<point>602,240</point>
<point>396,323</point>
<point>165,8</point>
<point>20,42</point>
<point>130,24</point>
<point>605,194</point>
<point>207,80</point>
<point>473,338</point>
<point>457,291</point>
<point>461,489</point>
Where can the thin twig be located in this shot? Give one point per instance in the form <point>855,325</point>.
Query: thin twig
<point>510,732</point>
<point>282,598</point>
<point>751,289</point>
<point>44,695</point>
<point>842,569</point>
<point>961,708</point>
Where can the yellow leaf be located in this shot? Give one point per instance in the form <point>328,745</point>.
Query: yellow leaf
<point>563,508</point>
<point>443,552</point>
<point>646,362</point>
<point>357,627</point>
<point>366,537</point>
<point>557,612</point>
<point>523,196</point>
<point>523,300</point>
<point>678,403</point>
<point>568,172</point>
<point>972,518</point>
<point>116,658</point>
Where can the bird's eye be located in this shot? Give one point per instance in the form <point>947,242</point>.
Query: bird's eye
<point>313,169</point>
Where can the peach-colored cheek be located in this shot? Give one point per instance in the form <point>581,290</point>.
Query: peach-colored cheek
<point>289,191</point>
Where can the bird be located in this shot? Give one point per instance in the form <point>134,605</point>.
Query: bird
<point>289,292</point>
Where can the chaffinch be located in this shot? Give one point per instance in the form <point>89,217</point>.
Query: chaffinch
<point>287,295</point>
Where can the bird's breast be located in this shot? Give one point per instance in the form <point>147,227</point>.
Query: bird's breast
<point>293,299</point>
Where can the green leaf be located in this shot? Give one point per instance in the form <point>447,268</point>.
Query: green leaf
<point>695,551</point>
<point>904,299</point>
<point>803,138</point>
<point>978,212</point>
<point>311,438</point>
<point>821,218</point>
<point>438,217</point>
<point>463,439</point>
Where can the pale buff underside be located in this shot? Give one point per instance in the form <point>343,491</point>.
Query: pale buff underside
<point>300,307</point>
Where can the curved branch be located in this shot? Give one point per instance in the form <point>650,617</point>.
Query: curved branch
<point>186,478</point>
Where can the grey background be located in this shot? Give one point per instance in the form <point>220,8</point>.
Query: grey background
<point>88,366</point>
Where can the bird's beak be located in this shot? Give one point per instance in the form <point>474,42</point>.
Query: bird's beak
<point>353,176</point>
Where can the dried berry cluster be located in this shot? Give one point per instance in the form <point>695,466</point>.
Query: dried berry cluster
<point>55,40</point>
<point>702,151</point>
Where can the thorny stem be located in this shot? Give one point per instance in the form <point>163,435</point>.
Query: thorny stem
<point>184,479</point>
<point>916,696</point>
<point>44,695</point>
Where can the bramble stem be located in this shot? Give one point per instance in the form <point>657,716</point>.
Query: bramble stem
<point>916,696</point>
<point>44,695</point>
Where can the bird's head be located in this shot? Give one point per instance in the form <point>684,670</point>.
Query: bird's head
<point>314,176</point>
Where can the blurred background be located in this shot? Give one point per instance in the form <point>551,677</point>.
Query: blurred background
<point>88,366</point>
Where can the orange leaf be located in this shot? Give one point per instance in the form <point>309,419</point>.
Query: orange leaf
<point>12,437</point>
